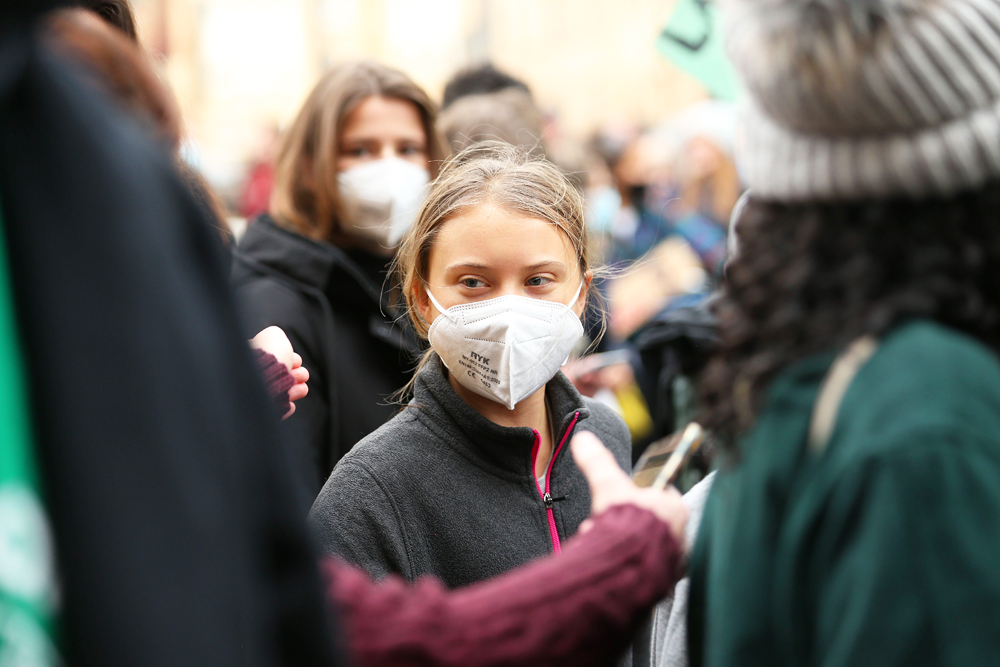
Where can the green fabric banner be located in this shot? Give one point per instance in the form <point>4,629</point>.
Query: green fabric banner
<point>27,582</point>
<point>693,41</point>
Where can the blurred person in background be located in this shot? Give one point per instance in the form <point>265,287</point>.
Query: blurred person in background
<point>481,103</point>
<point>509,115</point>
<point>621,210</point>
<point>484,79</point>
<point>706,184</point>
<point>652,266</point>
<point>351,172</point>
<point>857,382</point>
<point>255,195</point>
<point>473,477</point>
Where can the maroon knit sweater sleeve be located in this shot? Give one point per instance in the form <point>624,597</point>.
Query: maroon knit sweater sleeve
<point>277,379</point>
<point>579,608</point>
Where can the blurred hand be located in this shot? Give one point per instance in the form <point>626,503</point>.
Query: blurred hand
<point>580,373</point>
<point>274,341</point>
<point>610,486</point>
<point>589,379</point>
<point>300,389</point>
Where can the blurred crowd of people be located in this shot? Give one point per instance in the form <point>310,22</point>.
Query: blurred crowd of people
<point>658,205</point>
<point>390,420</point>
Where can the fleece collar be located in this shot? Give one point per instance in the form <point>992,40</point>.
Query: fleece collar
<point>508,448</point>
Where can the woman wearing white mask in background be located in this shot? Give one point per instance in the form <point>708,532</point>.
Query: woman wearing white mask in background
<point>351,172</point>
<point>473,477</point>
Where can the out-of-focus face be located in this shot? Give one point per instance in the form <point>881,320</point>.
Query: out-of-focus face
<point>703,158</point>
<point>488,252</point>
<point>634,166</point>
<point>382,127</point>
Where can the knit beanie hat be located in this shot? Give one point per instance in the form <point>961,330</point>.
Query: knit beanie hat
<point>854,99</point>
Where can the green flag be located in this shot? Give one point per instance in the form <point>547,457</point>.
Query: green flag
<point>692,40</point>
<point>27,583</point>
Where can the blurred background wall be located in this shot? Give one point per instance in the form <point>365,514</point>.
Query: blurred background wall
<point>240,67</point>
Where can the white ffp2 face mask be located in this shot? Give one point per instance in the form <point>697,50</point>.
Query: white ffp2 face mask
<point>505,348</point>
<point>380,199</point>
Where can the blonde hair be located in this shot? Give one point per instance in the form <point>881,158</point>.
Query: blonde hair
<point>490,173</point>
<point>305,180</point>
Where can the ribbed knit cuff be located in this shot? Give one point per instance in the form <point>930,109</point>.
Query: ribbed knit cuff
<point>277,379</point>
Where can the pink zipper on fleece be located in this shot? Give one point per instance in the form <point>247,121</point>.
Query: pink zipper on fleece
<point>546,493</point>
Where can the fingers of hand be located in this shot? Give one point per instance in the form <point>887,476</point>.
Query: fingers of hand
<point>290,412</point>
<point>274,341</point>
<point>296,361</point>
<point>298,391</point>
<point>669,507</point>
<point>300,375</point>
<point>606,479</point>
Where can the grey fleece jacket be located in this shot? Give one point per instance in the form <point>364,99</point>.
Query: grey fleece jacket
<point>441,490</point>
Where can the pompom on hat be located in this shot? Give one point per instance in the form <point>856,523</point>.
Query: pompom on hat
<point>861,99</point>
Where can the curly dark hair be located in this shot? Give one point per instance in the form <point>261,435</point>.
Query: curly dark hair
<point>811,277</point>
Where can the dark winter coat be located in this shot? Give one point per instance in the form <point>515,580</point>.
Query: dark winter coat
<point>442,490</point>
<point>179,535</point>
<point>331,305</point>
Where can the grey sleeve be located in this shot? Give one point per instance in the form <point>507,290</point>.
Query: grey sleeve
<point>669,635</point>
<point>354,519</point>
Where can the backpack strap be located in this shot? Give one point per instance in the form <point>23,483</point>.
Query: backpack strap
<point>835,385</point>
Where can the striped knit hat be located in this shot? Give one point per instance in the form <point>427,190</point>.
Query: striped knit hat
<point>852,99</point>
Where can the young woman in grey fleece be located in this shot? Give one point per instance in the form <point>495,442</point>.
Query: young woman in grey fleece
<point>442,490</point>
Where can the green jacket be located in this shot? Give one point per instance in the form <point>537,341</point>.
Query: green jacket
<point>885,549</point>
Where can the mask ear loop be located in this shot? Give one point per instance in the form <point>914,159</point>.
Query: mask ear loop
<point>434,301</point>
<point>576,297</point>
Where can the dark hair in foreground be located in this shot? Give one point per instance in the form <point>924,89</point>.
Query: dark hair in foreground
<point>811,277</point>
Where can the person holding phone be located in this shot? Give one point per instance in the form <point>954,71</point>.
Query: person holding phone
<point>472,478</point>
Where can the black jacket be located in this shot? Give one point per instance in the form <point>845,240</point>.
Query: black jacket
<point>331,306</point>
<point>179,535</point>
<point>442,490</point>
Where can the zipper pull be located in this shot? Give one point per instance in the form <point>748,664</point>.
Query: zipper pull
<point>548,500</point>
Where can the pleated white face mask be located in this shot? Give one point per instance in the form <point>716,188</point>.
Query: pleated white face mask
<point>505,348</point>
<point>380,198</point>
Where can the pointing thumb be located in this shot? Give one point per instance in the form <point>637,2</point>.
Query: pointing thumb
<point>600,469</point>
